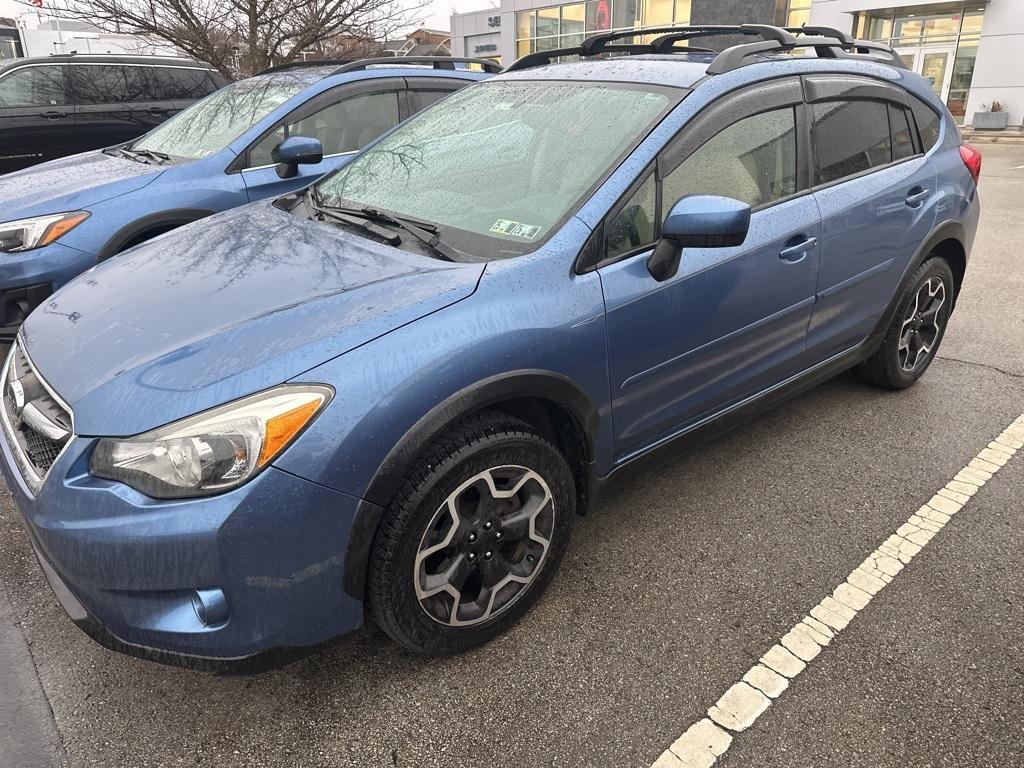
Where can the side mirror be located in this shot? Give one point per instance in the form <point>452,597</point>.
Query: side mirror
<point>295,151</point>
<point>698,221</point>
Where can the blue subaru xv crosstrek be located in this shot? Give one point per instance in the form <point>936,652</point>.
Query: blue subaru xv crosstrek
<point>391,394</point>
<point>257,138</point>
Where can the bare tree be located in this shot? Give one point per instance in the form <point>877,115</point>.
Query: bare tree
<point>253,34</point>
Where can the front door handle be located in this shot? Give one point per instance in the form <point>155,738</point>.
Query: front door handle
<point>53,114</point>
<point>917,196</point>
<point>795,253</point>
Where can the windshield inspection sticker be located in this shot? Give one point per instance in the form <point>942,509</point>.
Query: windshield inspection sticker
<point>515,229</point>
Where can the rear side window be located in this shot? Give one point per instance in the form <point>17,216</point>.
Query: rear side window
<point>753,160</point>
<point>849,137</point>
<point>902,133</point>
<point>178,84</point>
<point>342,127</point>
<point>104,84</point>
<point>43,86</point>
<point>928,123</point>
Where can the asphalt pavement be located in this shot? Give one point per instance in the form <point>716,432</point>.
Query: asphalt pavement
<point>676,583</point>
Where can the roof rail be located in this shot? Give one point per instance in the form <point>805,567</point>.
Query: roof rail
<point>354,65</point>
<point>438,62</point>
<point>599,43</point>
<point>826,41</point>
<point>838,34</point>
<point>292,65</point>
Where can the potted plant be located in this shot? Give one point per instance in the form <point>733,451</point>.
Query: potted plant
<point>993,117</point>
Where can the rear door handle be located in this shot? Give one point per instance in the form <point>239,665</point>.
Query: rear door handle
<point>914,199</point>
<point>53,114</point>
<point>158,111</point>
<point>795,253</point>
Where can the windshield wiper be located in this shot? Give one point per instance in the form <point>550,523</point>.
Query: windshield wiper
<point>138,154</point>
<point>423,231</point>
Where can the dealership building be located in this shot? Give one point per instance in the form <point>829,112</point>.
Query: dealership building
<point>971,52</point>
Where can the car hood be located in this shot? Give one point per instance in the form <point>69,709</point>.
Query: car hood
<point>70,184</point>
<point>222,308</point>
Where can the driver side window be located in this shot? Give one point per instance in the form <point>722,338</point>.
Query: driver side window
<point>345,126</point>
<point>753,160</point>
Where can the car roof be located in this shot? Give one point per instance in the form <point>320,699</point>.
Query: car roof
<point>106,58</point>
<point>681,70</point>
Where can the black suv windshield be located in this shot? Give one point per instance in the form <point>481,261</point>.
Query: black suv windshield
<point>211,124</point>
<point>497,166</point>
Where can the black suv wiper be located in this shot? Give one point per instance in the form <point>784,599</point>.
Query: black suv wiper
<point>366,216</point>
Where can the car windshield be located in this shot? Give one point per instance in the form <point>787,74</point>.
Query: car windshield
<point>211,124</point>
<point>497,166</point>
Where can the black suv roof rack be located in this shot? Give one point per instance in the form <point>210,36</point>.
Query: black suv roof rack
<point>354,65</point>
<point>827,42</point>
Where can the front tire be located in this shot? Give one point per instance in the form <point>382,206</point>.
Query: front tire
<point>916,330</point>
<point>473,536</point>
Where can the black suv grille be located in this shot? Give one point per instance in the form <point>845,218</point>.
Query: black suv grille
<point>38,424</point>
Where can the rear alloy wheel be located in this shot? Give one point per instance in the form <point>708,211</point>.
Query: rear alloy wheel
<point>916,329</point>
<point>922,325</point>
<point>473,537</point>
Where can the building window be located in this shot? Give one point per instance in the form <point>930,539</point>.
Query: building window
<point>792,13</point>
<point>940,46</point>
<point>565,26</point>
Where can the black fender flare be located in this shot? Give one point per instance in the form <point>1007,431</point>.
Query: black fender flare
<point>173,217</point>
<point>512,385</point>
<point>947,230</point>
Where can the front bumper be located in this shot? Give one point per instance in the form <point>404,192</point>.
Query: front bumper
<point>126,568</point>
<point>26,279</point>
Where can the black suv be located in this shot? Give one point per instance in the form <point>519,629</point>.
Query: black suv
<point>61,105</point>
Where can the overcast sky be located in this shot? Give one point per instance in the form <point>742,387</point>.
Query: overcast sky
<point>437,14</point>
<point>441,10</point>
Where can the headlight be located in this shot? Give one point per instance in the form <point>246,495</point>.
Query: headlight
<point>213,451</point>
<point>26,234</point>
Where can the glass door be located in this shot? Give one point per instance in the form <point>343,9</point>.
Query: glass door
<point>933,63</point>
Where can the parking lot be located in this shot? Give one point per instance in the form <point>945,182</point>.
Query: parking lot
<point>676,584</point>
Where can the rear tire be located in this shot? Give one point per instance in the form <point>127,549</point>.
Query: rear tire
<point>473,536</point>
<point>916,330</point>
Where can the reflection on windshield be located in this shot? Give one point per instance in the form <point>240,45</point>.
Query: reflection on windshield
<point>505,160</point>
<point>211,124</point>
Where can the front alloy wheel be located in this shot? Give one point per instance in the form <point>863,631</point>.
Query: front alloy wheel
<point>485,545</point>
<point>473,536</point>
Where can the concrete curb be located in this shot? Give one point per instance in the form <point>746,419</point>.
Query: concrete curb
<point>29,737</point>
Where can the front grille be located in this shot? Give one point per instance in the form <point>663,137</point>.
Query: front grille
<point>41,450</point>
<point>37,424</point>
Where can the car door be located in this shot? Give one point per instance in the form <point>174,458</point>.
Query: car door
<point>102,113</point>
<point>733,320</point>
<point>175,88</point>
<point>875,192</point>
<point>37,120</point>
<point>345,119</point>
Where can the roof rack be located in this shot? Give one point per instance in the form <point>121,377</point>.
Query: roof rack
<point>354,65</point>
<point>860,46</point>
<point>826,41</point>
